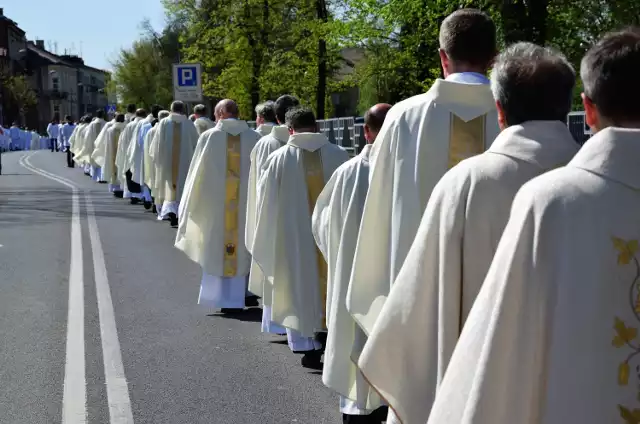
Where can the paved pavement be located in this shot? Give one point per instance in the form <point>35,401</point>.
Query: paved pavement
<point>112,334</point>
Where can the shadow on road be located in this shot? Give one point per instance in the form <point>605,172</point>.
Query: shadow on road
<point>247,315</point>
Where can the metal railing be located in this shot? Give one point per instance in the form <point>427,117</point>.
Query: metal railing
<point>345,132</point>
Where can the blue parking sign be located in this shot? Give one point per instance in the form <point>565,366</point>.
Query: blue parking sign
<point>187,76</point>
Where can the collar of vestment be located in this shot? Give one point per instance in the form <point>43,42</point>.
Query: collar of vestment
<point>612,153</point>
<point>308,141</point>
<point>366,151</point>
<point>119,125</point>
<point>468,78</point>
<point>281,133</point>
<point>547,144</point>
<point>137,119</point>
<point>232,126</point>
<point>177,117</point>
<point>466,101</point>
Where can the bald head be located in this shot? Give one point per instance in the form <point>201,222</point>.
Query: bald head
<point>373,120</point>
<point>227,109</point>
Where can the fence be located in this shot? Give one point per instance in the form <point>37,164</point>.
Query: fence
<point>348,133</point>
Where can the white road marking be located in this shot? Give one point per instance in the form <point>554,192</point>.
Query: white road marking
<point>74,398</point>
<point>117,390</point>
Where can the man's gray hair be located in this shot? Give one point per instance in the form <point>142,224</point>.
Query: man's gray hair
<point>267,111</point>
<point>178,107</point>
<point>163,114</point>
<point>200,110</point>
<point>533,83</point>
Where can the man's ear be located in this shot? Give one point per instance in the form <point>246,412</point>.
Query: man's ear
<point>591,116</point>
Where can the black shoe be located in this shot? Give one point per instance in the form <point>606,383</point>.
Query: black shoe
<point>154,209</point>
<point>134,201</point>
<point>312,360</point>
<point>118,194</point>
<point>147,205</point>
<point>251,301</point>
<point>173,219</point>
<point>231,310</point>
<point>102,182</point>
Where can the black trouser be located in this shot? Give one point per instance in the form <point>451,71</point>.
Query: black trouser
<point>70,162</point>
<point>53,143</point>
<point>131,185</point>
<point>376,417</point>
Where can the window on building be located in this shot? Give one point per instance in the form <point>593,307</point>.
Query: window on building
<point>55,83</point>
<point>56,109</point>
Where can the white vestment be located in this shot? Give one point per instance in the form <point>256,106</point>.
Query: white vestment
<point>336,220</point>
<point>212,212</point>
<point>149,164</point>
<point>447,263</point>
<point>553,335</point>
<point>75,141</point>
<point>268,144</point>
<point>203,124</point>
<point>172,149</point>
<point>265,129</point>
<point>100,149</point>
<point>92,131</point>
<point>283,245</point>
<point>106,151</point>
<point>421,138</point>
<point>35,141</point>
<point>126,137</point>
<point>135,153</point>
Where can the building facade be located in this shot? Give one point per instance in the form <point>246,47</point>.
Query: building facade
<point>13,44</point>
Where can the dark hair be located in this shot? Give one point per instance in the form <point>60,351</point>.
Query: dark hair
<point>610,72</point>
<point>469,36</point>
<point>86,119</point>
<point>533,83</point>
<point>155,110</point>
<point>300,119</point>
<point>131,108</point>
<point>141,113</point>
<point>267,111</point>
<point>100,113</point>
<point>282,106</point>
<point>120,117</point>
<point>200,110</point>
<point>177,107</point>
<point>68,118</point>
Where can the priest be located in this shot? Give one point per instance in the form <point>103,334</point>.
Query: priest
<point>88,146</point>
<point>336,220</point>
<point>132,190</point>
<point>202,121</point>
<point>149,164</point>
<point>106,151</point>
<point>265,118</point>
<point>77,138</point>
<point>212,210</point>
<point>99,151</point>
<point>283,246</point>
<point>66,132</point>
<point>171,150</point>
<point>135,154</point>
<point>422,137</point>
<point>131,113</point>
<point>552,337</point>
<point>268,144</point>
<point>461,227</point>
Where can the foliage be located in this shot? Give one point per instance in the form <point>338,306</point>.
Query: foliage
<point>19,92</point>
<point>253,50</point>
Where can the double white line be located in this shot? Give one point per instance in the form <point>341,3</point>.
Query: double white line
<point>74,400</point>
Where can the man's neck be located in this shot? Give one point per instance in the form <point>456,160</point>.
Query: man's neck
<point>462,68</point>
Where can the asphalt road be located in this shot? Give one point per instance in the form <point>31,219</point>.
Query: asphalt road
<point>113,334</point>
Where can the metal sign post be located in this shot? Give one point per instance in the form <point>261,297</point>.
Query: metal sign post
<point>187,82</point>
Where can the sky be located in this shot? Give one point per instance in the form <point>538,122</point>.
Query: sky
<point>100,32</point>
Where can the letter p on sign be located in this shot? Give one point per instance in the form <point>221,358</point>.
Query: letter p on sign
<point>187,77</point>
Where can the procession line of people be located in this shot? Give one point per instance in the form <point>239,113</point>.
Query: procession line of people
<point>471,265</point>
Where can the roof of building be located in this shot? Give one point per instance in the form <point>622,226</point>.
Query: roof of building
<point>67,60</point>
<point>11,22</point>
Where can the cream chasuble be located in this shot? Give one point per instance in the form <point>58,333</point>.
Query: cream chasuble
<point>265,129</point>
<point>447,263</point>
<point>203,124</point>
<point>107,160</point>
<point>126,137</point>
<point>92,132</point>
<point>75,141</point>
<point>149,165</point>
<point>336,220</point>
<point>100,145</point>
<point>265,146</point>
<point>172,149</point>
<point>553,335</point>
<point>421,138</point>
<point>212,209</point>
<point>283,245</point>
